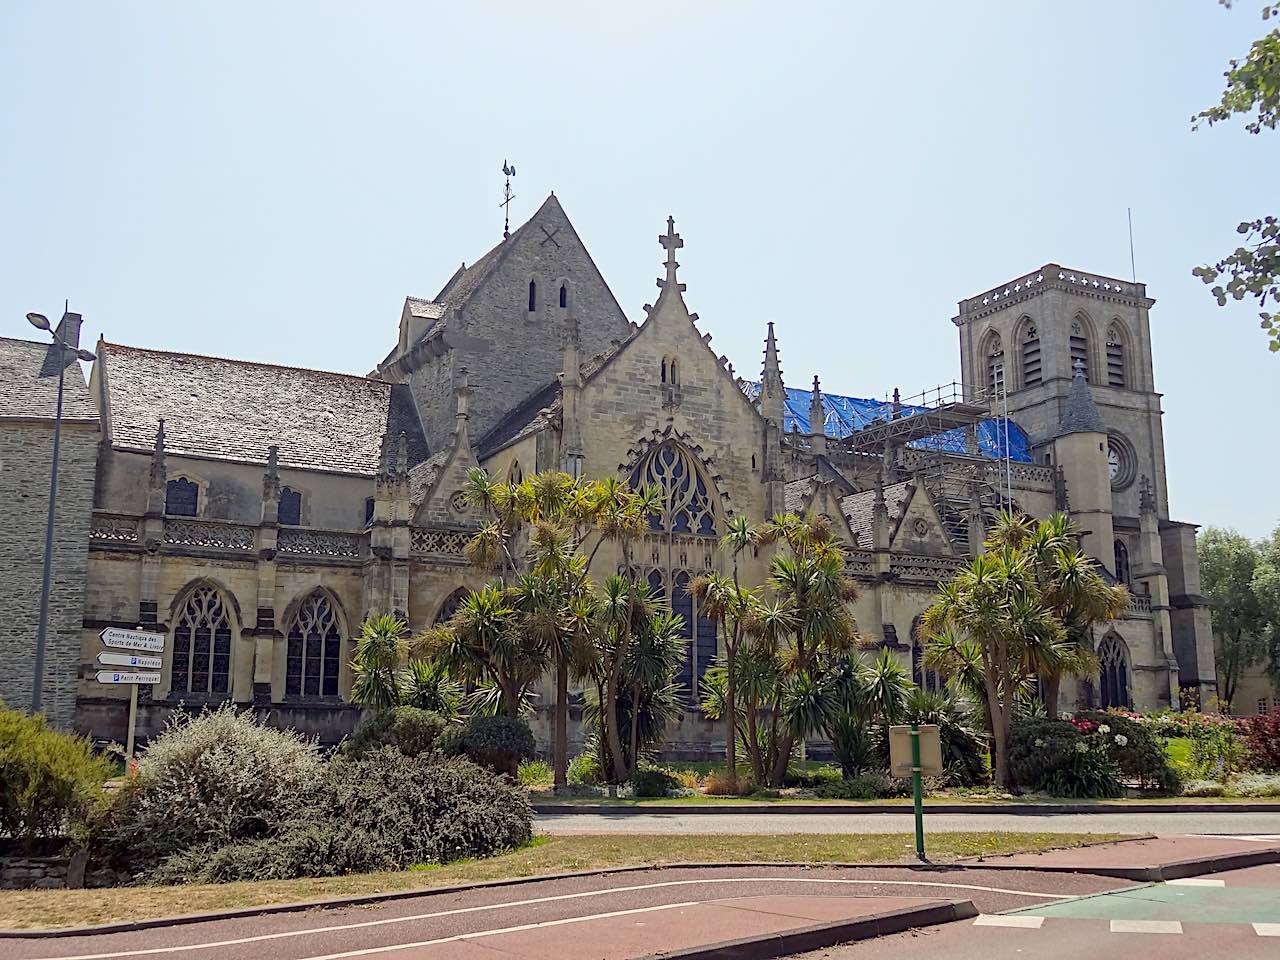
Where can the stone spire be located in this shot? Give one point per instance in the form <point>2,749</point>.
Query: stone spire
<point>772,397</point>
<point>462,401</point>
<point>879,517</point>
<point>671,242</point>
<point>817,419</point>
<point>271,479</point>
<point>158,475</point>
<point>1080,415</point>
<point>572,453</point>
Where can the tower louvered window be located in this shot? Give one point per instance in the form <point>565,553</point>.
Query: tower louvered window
<point>202,645</point>
<point>315,650</point>
<point>1030,356</point>
<point>995,367</point>
<point>1079,350</point>
<point>1115,359</point>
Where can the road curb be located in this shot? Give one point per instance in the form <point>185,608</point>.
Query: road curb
<point>1172,871</point>
<point>771,946</point>
<point>1002,809</point>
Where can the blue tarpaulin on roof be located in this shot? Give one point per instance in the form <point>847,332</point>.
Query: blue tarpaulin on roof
<point>846,415</point>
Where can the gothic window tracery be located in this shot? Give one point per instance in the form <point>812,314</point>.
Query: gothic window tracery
<point>687,506</point>
<point>1116,357</point>
<point>1030,355</point>
<point>923,676</point>
<point>314,649</point>
<point>1113,672</point>
<point>181,497</point>
<point>202,644</point>
<point>290,509</point>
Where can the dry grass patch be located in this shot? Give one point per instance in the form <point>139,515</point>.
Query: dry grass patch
<point>35,909</point>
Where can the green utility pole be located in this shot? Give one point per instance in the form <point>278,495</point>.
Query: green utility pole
<point>917,790</point>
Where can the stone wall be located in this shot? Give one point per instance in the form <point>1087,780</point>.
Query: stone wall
<point>26,450</point>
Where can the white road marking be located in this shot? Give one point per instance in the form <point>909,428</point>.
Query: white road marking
<point>493,933</point>
<point>151,951</point>
<point>1267,929</point>
<point>1008,920</point>
<point>1246,837</point>
<point>1196,882</point>
<point>1146,926</point>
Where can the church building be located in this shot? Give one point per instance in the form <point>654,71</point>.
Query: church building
<point>255,514</point>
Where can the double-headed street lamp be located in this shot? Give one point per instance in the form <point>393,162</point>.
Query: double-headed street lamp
<point>41,321</point>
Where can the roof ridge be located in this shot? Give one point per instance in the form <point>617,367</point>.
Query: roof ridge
<point>247,363</point>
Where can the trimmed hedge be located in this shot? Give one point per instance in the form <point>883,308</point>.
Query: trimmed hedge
<point>499,743</point>
<point>410,730</point>
<point>1262,737</point>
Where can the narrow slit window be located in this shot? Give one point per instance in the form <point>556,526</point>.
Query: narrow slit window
<point>564,296</point>
<point>533,296</point>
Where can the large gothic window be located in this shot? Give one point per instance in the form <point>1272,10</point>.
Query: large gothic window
<point>181,497</point>
<point>698,632</point>
<point>687,506</point>
<point>314,651</point>
<point>202,644</point>
<point>1030,356</point>
<point>1113,670</point>
<point>1080,349</point>
<point>1115,357</point>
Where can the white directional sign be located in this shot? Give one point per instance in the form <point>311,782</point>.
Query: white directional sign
<point>132,639</point>
<point>135,660</point>
<point>106,676</point>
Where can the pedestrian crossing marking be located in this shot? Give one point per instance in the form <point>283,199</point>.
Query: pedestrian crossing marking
<point>1196,882</point>
<point>1146,926</point>
<point>1267,929</point>
<point>1007,920</point>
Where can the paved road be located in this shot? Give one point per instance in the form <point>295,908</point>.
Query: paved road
<point>1233,914</point>
<point>570,919</point>
<point>757,823</point>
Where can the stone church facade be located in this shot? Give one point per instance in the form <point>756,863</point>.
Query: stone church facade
<point>255,514</point>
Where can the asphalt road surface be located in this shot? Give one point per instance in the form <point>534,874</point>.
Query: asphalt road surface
<point>1233,914</point>
<point>549,918</point>
<point>758,823</point>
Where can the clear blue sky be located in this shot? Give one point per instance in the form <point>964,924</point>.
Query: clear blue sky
<point>269,180</point>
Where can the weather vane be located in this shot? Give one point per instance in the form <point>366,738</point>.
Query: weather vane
<point>509,169</point>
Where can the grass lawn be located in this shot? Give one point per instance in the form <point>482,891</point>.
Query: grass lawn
<point>31,909</point>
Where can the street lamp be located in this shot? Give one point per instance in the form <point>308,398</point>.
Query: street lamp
<point>40,321</point>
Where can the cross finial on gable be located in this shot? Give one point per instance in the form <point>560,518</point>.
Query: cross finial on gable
<point>671,242</point>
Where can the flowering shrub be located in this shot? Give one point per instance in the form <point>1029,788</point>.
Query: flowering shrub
<point>1137,751</point>
<point>1262,737</point>
<point>1071,758</point>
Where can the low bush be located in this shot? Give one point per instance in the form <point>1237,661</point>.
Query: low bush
<point>1262,738</point>
<point>689,779</point>
<point>1246,785</point>
<point>210,781</point>
<point>1137,751</point>
<point>410,730</point>
<point>384,811</point>
<point>873,785</point>
<point>718,783</point>
<point>584,770</point>
<point>536,773</point>
<point>52,782</point>
<point>499,743</point>
<point>1063,758</point>
<point>653,782</point>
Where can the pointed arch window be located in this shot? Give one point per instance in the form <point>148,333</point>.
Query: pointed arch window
<point>1122,562</point>
<point>1113,672</point>
<point>1115,357</point>
<point>1080,348</point>
<point>290,509</point>
<point>664,369</point>
<point>994,356</point>
<point>1030,355</point>
<point>181,497</point>
<point>687,505</point>
<point>202,645</point>
<point>314,651</point>
<point>449,607</point>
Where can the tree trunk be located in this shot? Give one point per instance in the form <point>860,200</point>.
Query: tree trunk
<point>634,760</point>
<point>731,718</point>
<point>611,723</point>
<point>785,744</point>
<point>1052,689</point>
<point>753,744</point>
<point>560,749</point>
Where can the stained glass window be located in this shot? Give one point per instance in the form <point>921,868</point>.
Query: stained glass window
<point>1113,671</point>
<point>181,497</point>
<point>202,645</point>
<point>686,501</point>
<point>314,651</point>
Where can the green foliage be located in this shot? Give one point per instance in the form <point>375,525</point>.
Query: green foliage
<point>1248,785</point>
<point>1218,752</point>
<point>499,743</point>
<point>1262,738</point>
<point>428,685</point>
<point>52,782</point>
<point>210,781</point>
<point>874,785</point>
<point>1138,753</point>
<point>385,811</point>
<point>963,746</point>
<point>535,773</point>
<point>1253,270</point>
<point>653,782</point>
<point>408,729</point>
<point>1236,575</point>
<point>584,770</point>
<point>1062,759</point>
<point>381,649</point>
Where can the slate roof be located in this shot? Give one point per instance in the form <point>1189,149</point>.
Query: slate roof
<point>29,383</point>
<point>1080,415</point>
<point>535,412</point>
<point>858,507</point>
<point>423,476</point>
<point>796,492</point>
<point>223,409</point>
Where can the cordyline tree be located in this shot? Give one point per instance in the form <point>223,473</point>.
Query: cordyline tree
<point>1253,270</point>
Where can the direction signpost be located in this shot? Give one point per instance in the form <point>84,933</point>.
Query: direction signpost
<point>133,668</point>
<point>915,751</point>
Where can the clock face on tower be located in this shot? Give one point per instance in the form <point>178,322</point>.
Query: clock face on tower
<point>1113,463</point>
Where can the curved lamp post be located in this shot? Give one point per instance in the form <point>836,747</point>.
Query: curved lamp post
<point>41,322</point>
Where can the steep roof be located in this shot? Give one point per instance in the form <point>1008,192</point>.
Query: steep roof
<point>1080,415</point>
<point>223,409</point>
<point>858,509</point>
<point>29,383</point>
<point>532,414</point>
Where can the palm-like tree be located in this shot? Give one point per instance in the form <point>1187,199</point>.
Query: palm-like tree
<point>379,659</point>
<point>428,685</point>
